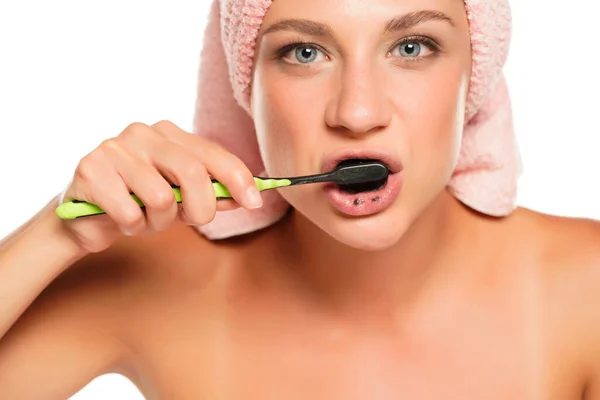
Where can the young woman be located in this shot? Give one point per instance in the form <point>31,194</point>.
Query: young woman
<point>430,286</point>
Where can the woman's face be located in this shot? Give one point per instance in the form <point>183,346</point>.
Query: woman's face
<point>377,79</point>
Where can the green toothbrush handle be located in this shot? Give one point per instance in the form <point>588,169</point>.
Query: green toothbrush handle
<point>76,209</point>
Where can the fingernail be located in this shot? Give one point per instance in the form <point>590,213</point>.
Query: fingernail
<point>254,197</point>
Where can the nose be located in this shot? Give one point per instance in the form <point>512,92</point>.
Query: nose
<point>359,104</point>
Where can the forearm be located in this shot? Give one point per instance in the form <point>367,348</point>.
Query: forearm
<point>30,259</point>
<point>12,237</point>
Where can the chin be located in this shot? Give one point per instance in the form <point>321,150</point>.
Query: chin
<point>375,233</point>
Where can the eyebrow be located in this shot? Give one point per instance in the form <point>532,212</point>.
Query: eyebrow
<point>304,26</point>
<point>314,28</point>
<point>415,18</point>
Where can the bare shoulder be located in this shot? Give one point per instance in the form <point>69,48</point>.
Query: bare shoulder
<point>78,327</point>
<point>568,256</point>
<point>569,251</point>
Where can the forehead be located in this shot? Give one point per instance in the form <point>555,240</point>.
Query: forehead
<point>358,12</point>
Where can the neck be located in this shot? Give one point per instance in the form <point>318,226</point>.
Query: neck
<point>347,278</point>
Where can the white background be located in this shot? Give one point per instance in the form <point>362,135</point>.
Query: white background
<point>73,73</point>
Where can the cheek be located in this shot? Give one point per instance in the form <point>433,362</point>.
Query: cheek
<point>434,115</point>
<point>287,114</point>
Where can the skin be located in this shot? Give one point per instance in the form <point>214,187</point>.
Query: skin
<point>431,300</point>
<point>361,92</point>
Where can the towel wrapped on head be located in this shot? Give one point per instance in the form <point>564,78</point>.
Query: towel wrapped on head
<point>485,177</point>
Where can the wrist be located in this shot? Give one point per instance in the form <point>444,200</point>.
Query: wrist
<point>46,246</point>
<point>59,240</point>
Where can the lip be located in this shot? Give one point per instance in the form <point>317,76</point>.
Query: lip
<point>392,162</point>
<point>366,203</point>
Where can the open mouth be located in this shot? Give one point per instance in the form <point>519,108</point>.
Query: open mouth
<point>361,187</point>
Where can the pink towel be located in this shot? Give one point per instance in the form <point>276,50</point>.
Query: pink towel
<point>485,178</point>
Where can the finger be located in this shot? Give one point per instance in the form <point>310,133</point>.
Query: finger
<point>147,183</point>
<point>137,138</point>
<point>227,205</point>
<point>233,173</point>
<point>97,181</point>
<point>187,171</point>
<point>225,167</point>
<point>222,205</point>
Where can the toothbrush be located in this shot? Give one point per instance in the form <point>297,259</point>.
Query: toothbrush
<point>363,172</point>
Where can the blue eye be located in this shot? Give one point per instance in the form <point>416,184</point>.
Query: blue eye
<point>415,49</point>
<point>306,54</point>
<point>301,53</point>
<point>410,49</point>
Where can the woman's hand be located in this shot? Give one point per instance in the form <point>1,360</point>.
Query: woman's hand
<point>145,160</point>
